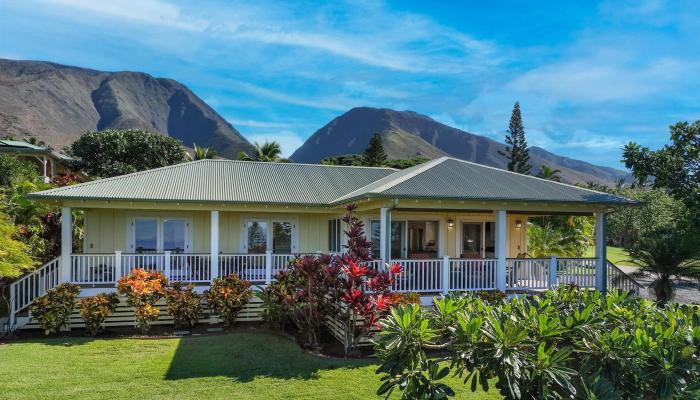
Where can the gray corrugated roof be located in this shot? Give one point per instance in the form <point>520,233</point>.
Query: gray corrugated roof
<point>228,181</point>
<point>449,178</point>
<point>16,146</point>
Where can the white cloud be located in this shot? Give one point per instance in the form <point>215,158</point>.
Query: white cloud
<point>144,11</point>
<point>289,141</point>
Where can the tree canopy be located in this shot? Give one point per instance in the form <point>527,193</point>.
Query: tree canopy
<point>546,172</point>
<point>374,155</point>
<point>674,167</point>
<point>517,151</point>
<point>117,152</point>
<point>266,152</point>
<point>201,153</point>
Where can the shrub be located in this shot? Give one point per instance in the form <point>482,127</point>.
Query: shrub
<point>53,309</point>
<point>142,290</point>
<point>95,310</point>
<point>405,298</point>
<point>568,343</point>
<point>227,297</point>
<point>184,304</point>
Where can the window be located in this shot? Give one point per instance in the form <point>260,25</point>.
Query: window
<point>257,236</point>
<point>146,235</point>
<point>478,240</point>
<point>335,231</point>
<point>261,235</point>
<point>155,235</point>
<point>397,238</point>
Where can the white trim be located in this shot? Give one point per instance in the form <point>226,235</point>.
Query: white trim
<point>160,217</point>
<point>269,220</point>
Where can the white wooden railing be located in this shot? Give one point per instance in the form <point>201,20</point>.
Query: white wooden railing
<point>424,275</point>
<point>189,268</point>
<point>27,288</point>
<point>577,271</point>
<point>252,267</point>
<point>472,274</point>
<point>618,279</point>
<point>527,273</point>
<point>93,268</point>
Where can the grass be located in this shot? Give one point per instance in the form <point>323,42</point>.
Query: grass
<point>240,365</point>
<point>616,255</point>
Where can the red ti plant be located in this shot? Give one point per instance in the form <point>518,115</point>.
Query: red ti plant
<point>365,291</point>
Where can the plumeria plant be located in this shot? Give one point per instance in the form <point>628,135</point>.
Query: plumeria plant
<point>142,290</point>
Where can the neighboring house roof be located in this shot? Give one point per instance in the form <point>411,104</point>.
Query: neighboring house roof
<point>312,184</point>
<point>452,179</point>
<point>228,181</point>
<point>21,147</point>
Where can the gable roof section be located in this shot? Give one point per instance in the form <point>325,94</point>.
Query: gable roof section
<point>453,179</point>
<point>227,181</point>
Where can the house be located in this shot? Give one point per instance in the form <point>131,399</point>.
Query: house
<point>49,163</point>
<point>452,224</point>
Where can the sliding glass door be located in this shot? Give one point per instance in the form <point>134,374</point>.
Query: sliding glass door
<point>261,235</point>
<point>478,240</point>
<point>158,234</point>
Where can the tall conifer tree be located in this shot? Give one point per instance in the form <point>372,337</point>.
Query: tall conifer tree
<point>374,155</point>
<point>517,152</point>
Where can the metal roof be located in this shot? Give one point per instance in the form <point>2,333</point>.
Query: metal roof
<point>227,181</point>
<point>20,147</point>
<point>450,178</point>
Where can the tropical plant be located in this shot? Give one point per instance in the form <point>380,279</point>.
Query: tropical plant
<point>35,141</point>
<point>675,167</point>
<point>114,152</point>
<point>566,236</point>
<point>95,310</point>
<point>201,153</point>
<point>666,256</point>
<point>267,152</point>
<point>227,296</point>
<point>374,155</point>
<point>14,171</point>
<point>184,304</point>
<point>14,254</point>
<point>549,173</point>
<point>517,152</point>
<point>52,309</point>
<point>563,344</point>
<point>143,289</point>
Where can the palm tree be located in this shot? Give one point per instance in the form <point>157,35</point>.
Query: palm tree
<point>548,173</point>
<point>35,141</point>
<point>201,153</point>
<point>267,152</point>
<point>667,256</point>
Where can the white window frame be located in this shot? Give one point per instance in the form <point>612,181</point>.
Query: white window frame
<point>160,237</point>
<point>270,221</point>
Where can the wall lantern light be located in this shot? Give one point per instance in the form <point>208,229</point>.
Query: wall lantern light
<point>450,223</point>
<point>518,224</point>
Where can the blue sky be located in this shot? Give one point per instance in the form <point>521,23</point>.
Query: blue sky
<point>589,76</point>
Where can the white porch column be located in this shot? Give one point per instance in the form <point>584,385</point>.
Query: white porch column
<point>501,249</point>
<point>600,253</point>
<point>214,262</point>
<point>66,243</point>
<point>385,234</point>
<point>44,161</point>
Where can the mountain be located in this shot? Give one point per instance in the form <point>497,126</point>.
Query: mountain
<point>407,134</point>
<point>57,103</point>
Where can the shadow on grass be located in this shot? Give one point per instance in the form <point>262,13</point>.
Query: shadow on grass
<point>244,356</point>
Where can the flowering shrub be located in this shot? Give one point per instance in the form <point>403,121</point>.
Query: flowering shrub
<point>95,310</point>
<point>227,297</point>
<point>52,310</point>
<point>184,304</point>
<point>142,290</point>
<point>405,298</point>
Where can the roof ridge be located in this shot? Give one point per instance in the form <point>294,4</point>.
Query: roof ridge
<point>296,163</point>
<point>528,176</point>
<point>409,173</point>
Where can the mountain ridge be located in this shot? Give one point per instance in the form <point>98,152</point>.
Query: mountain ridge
<point>407,134</point>
<point>57,103</point>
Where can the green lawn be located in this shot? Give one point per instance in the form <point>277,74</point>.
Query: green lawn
<point>239,365</point>
<point>616,255</point>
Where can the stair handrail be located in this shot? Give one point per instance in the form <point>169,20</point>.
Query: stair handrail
<point>20,300</point>
<point>622,276</point>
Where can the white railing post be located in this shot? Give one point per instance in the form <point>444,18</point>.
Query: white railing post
<point>117,266</point>
<point>385,234</point>
<point>445,274</point>
<point>214,247</point>
<point>12,307</point>
<point>166,265</point>
<point>66,244</point>
<point>501,249</point>
<point>268,267</point>
<point>552,275</point>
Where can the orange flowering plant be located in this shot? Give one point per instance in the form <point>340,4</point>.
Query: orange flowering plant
<point>228,296</point>
<point>142,290</point>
